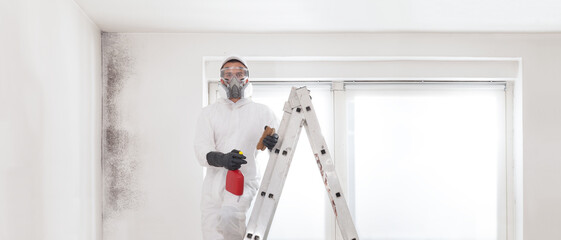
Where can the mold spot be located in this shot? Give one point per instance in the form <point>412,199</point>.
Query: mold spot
<point>119,159</point>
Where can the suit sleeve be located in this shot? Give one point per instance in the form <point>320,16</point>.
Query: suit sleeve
<point>204,139</point>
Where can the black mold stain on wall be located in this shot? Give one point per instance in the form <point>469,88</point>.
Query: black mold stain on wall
<point>119,161</point>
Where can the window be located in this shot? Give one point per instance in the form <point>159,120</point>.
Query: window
<point>427,160</point>
<point>424,160</point>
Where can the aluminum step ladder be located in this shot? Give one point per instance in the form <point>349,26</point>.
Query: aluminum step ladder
<point>298,112</point>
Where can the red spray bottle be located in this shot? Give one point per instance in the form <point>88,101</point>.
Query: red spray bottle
<point>235,181</point>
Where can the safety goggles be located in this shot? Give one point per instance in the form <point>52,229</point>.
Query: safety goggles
<point>228,73</point>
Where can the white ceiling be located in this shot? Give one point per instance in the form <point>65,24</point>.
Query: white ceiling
<point>328,16</point>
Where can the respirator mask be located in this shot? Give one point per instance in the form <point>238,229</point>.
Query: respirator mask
<point>234,80</point>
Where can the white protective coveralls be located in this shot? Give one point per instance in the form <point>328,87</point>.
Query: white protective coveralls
<point>221,127</point>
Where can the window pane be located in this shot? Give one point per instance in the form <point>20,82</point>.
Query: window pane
<point>426,161</point>
<point>300,213</point>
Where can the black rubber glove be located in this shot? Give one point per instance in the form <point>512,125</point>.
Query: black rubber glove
<point>231,161</point>
<point>270,141</point>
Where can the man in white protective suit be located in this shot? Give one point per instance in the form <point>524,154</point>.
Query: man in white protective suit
<point>232,125</point>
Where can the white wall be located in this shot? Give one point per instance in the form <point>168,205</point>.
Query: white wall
<point>50,120</point>
<point>164,94</point>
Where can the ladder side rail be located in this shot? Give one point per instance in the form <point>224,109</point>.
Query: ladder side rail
<point>270,168</point>
<point>264,215</point>
<point>327,168</point>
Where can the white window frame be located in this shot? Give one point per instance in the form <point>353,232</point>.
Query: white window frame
<point>395,69</point>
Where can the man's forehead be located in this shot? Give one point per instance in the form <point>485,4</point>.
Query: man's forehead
<point>233,64</point>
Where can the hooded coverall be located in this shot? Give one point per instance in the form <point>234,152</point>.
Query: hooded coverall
<point>221,127</point>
